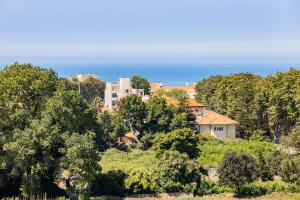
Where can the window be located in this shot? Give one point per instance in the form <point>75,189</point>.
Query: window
<point>115,87</point>
<point>114,103</point>
<point>114,95</point>
<point>218,128</point>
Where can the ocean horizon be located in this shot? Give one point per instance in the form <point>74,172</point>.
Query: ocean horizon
<point>169,74</point>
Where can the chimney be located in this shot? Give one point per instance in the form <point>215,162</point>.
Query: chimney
<point>160,84</point>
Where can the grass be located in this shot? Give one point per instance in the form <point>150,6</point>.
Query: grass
<point>213,151</point>
<point>137,160</point>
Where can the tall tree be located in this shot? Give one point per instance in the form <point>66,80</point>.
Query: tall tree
<point>133,112</point>
<point>159,115</point>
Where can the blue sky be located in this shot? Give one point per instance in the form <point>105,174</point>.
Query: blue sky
<point>211,30</point>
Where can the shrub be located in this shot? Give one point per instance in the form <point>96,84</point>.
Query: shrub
<point>209,187</point>
<point>275,160</point>
<point>261,188</point>
<point>290,170</point>
<point>237,170</point>
<point>212,151</point>
<point>181,140</point>
<point>174,172</point>
<point>265,171</point>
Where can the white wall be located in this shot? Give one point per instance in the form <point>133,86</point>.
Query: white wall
<point>108,95</point>
<point>219,133</point>
<point>231,131</point>
<point>124,85</point>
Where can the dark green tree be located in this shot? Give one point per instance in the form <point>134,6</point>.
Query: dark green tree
<point>237,169</point>
<point>181,140</point>
<point>139,82</point>
<point>159,115</point>
<point>132,111</point>
<point>265,171</point>
<point>175,172</point>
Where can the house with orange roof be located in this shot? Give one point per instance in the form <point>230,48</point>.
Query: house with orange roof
<point>216,124</point>
<point>207,121</point>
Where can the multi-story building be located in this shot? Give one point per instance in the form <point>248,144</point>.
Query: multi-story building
<point>114,91</point>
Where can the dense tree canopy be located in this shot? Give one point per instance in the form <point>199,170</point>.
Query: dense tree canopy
<point>181,140</point>
<point>263,106</point>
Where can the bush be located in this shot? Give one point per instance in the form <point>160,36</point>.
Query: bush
<point>209,187</point>
<point>181,140</point>
<point>290,170</point>
<point>174,172</point>
<point>212,151</point>
<point>237,170</point>
<point>261,188</point>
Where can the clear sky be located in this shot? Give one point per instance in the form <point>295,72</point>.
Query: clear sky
<point>144,29</point>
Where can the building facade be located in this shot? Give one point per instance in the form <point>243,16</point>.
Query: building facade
<point>114,91</point>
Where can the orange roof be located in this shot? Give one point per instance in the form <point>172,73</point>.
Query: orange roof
<point>210,117</point>
<point>190,102</point>
<point>155,87</point>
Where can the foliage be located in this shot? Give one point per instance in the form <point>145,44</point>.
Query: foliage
<point>237,169</point>
<point>261,188</point>
<point>293,139</point>
<point>78,166</point>
<point>48,128</point>
<point>265,171</point>
<point>174,172</point>
<point>139,82</point>
<point>91,88</point>
<point>181,140</point>
<point>144,172</point>
<point>133,112</point>
<point>159,115</point>
<point>208,187</point>
<point>262,106</point>
<point>24,91</point>
<point>274,161</point>
<point>213,150</point>
<point>233,96</point>
<point>183,118</point>
<point>178,94</point>
<point>290,170</point>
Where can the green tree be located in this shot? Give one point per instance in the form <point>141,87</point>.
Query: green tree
<point>275,160</point>
<point>233,96</point>
<point>79,164</point>
<point>237,169</point>
<point>290,170</point>
<point>24,91</point>
<point>132,111</point>
<point>181,140</point>
<point>159,115</point>
<point>293,139</point>
<point>265,171</point>
<point>175,172</point>
<point>178,94</point>
<point>183,117</point>
<point>91,88</point>
<point>139,82</point>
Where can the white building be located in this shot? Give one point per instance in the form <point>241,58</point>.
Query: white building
<point>114,91</point>
<point>216,124</point>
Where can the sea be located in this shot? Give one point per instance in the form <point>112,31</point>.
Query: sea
<point>167,73</point>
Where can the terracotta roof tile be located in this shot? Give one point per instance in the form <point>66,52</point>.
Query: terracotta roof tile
<point>210,117</point>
